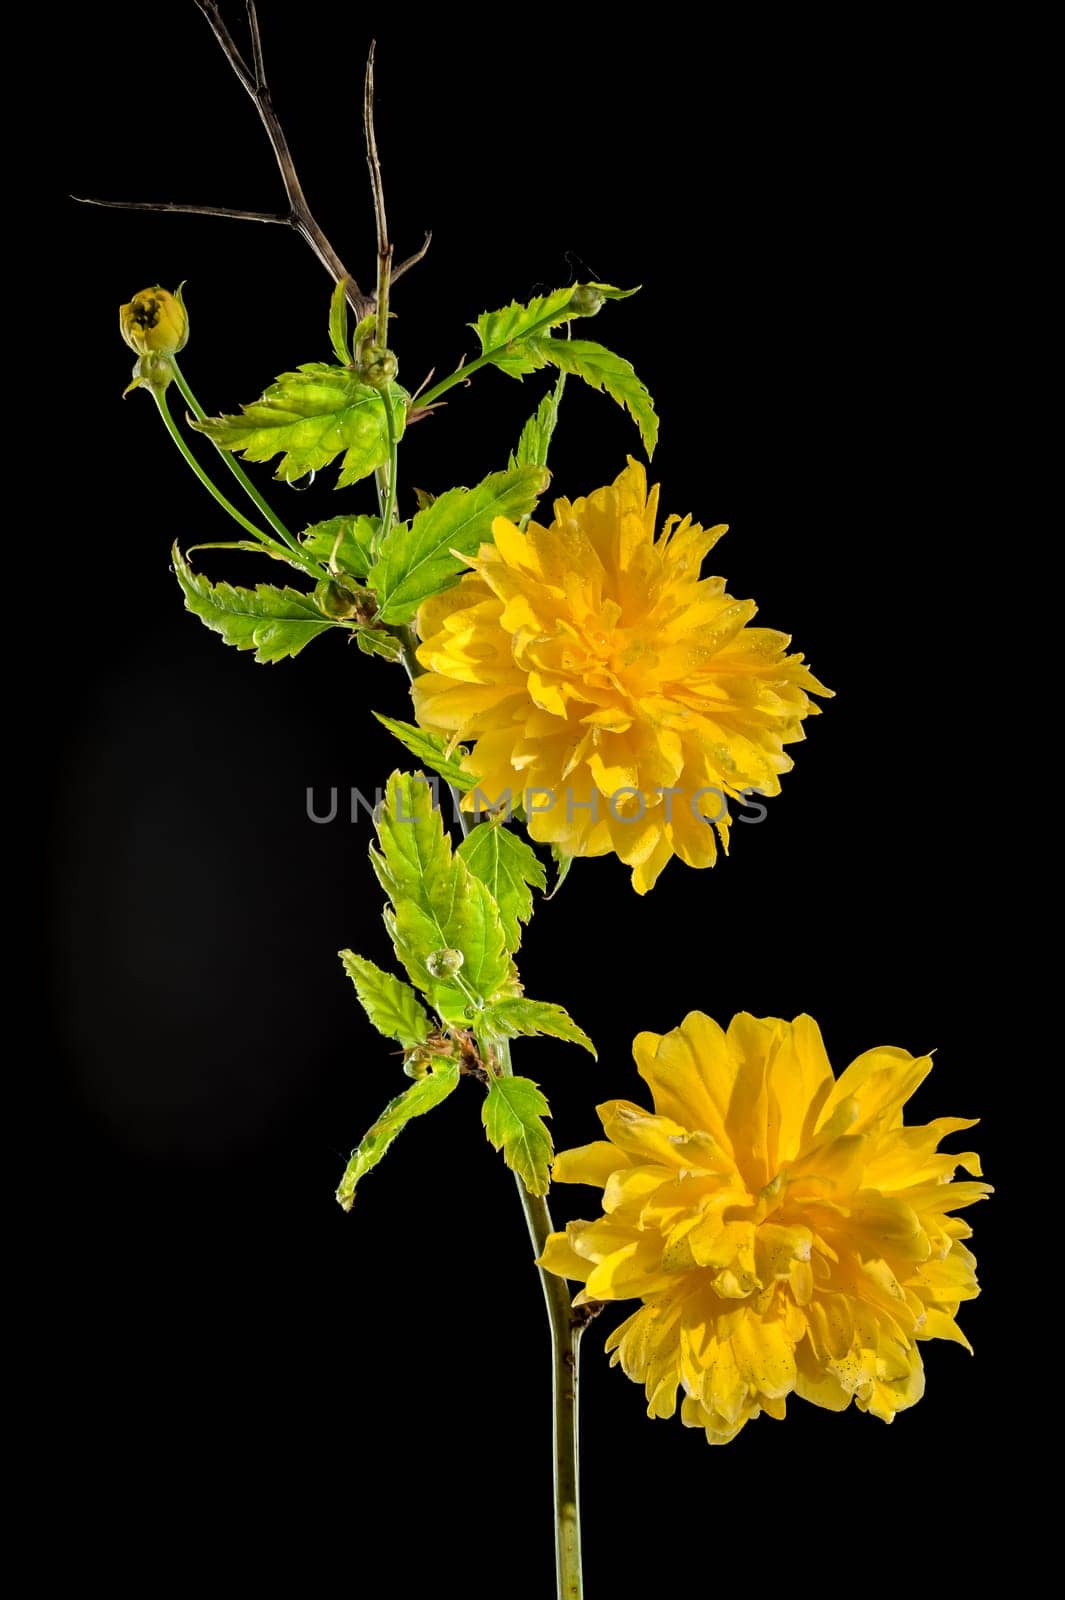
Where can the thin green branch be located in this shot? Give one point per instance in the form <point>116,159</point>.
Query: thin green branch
<point>388,510</point>
<point>470,367</point>
<point>295,555</point>
<point>234,465</point>
<point>565,1352</point>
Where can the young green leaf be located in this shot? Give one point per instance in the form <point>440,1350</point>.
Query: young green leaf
<point>563,862</point>
<point>503,334</point>
<point>391,1005</point>
<point>512,1113</point>
<point>309,417</point>
<point>509,868</point>
<point>520,1015</point>
<point>275,623</point>
<point>431,749</point>
<point>345,541</point>
<point>413,1102</point>
<point>601,369</point>
<point>416,561</point>
<point>536,434</point>
<point>338,323</point>
<point>437,903</point>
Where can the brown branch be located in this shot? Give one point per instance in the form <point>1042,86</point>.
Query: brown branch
<point>412,261</point>
<point>301,218</point>
<point>173,205</point>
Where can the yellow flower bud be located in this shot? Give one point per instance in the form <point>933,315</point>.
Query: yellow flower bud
<point>155,322</point>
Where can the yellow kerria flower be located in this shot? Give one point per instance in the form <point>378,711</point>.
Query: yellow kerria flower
<point>600,679</point>
<point>785,1231</point>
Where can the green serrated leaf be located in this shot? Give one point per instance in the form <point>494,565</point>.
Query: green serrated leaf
<point>509,869</point>
<point>391,1005</point>
<point>600,369</point>
<point>275,623</point>
<point>416,561</point>
<point>524,1016</point>
<point>338,323</point>
<point>429,748</point>
<point>345,541</point>
<point>421,1097</point>
<point>502,333</point>
<point>512,1113</point>
<point>375,642</point>
<point>309,417</point>
<point>536,434</point>
<point>563,862</point>
<point>437,902</point>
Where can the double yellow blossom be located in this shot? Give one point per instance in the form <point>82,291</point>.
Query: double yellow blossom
<point>786,1232</point>
<point>599,678</point>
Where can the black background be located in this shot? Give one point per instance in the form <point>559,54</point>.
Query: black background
<point>238,1355</point>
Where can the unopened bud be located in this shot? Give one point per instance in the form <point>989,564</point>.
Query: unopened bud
<point>586,300</point>
<point>155,322</point>
<point>377,366</point>
<point>336,600</point>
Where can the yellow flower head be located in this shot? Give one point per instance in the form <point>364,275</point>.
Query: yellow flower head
<point>620,696</point>
<point>785,1232</point>
<point>155,322</point>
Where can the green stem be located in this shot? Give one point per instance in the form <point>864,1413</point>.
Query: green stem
<point>242,478</point>
<point>565,1352</point>
<point>565,1333</point>
<point>462,373</point>
<point>159,396</point>
<point>389,509</point>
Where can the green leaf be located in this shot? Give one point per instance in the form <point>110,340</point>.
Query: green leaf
<point>437,902</point>
<point>391,1005</point>
<point>413,1102</point>
<point>338,323</point>
<point>376,642</point>
<point>503,334</point>
<point>416,561</point>
<point>563,862</point>
<point>536,434</point>
<point>516,1016</point>
<point>601,369</point>
<point>346,541</point>
<point>309,417</point>
<point>509,869</point>
<point>275,623</point>
<point>430,748</point>
<point>512,1113</point>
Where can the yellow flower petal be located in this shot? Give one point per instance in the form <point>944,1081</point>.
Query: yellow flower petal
<point>784,1230</point>
<point>666,699</point>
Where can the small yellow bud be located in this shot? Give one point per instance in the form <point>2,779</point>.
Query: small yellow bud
<point>155,322</point>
